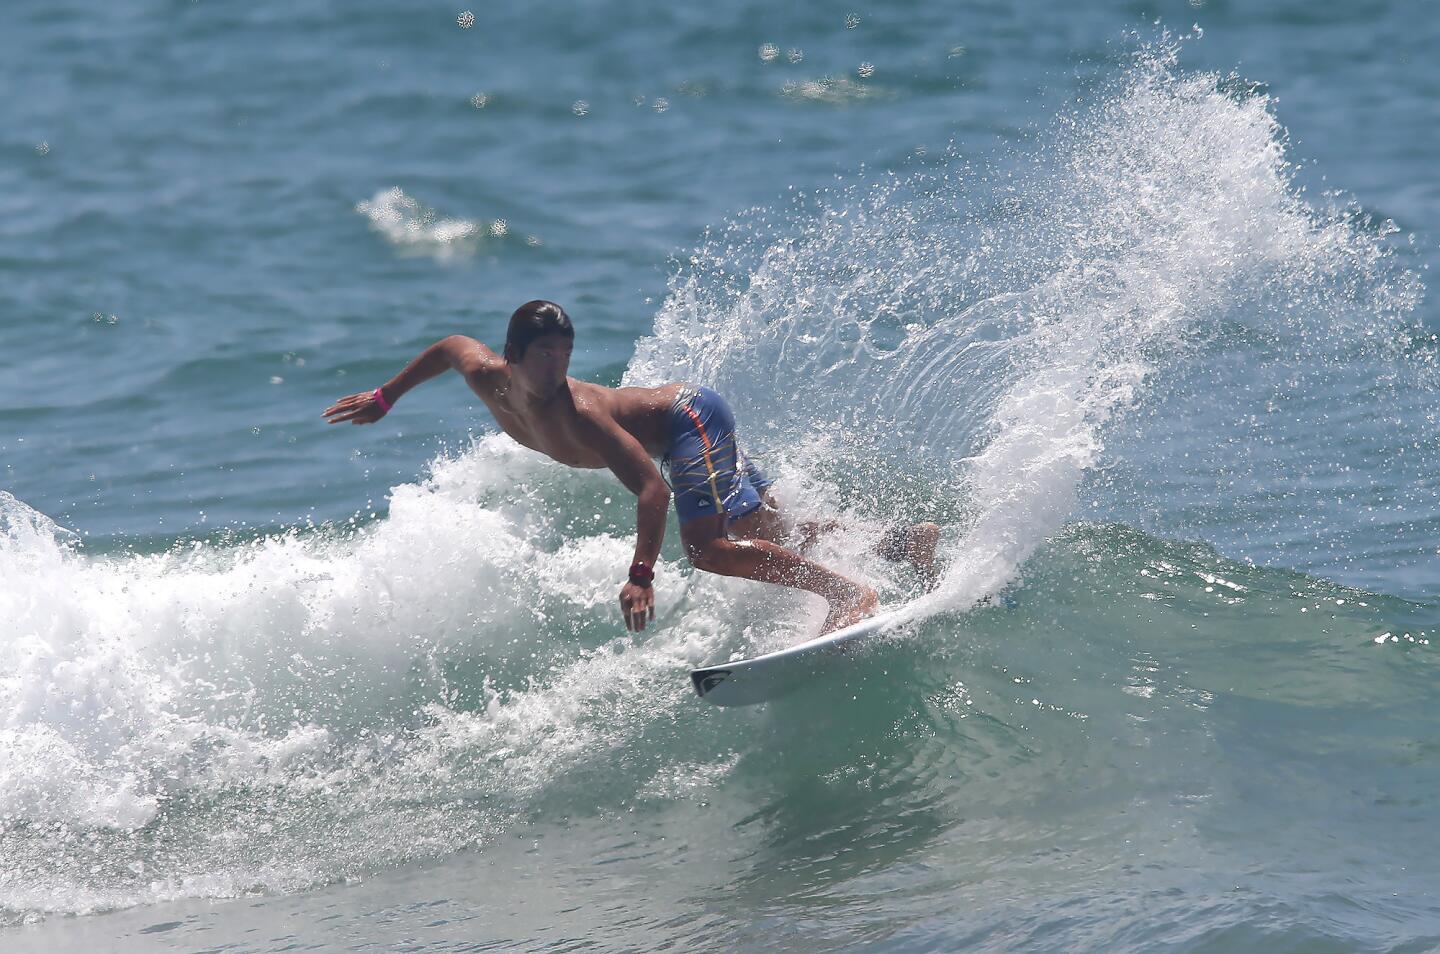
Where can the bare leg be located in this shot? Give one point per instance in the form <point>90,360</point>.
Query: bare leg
<point>769,522</point>
<point>810,530</point>
<point>711,550</point>
<point>915,543</point>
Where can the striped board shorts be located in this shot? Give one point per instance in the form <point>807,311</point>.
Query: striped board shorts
<point>704,465</point>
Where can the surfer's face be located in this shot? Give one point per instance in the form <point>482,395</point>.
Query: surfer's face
<point>546,362</point>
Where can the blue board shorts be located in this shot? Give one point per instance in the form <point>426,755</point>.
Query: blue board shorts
<point>704,465</point>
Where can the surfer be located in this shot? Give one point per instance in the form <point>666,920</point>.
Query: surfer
<point>730,523</point>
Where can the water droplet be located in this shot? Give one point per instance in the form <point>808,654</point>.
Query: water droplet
<point>480,100</point>
<point>795,55</point>
<point>661,105</point>
<point>768,51</point>
<point>42,149</point>
<point>866,70</point>
<point>852,21</point>
<point>499,227</point>
<point>466,20</point>
<point>580,108</point>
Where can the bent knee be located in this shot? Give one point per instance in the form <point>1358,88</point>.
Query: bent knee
<point>712,556</point>
<point>703,555</point>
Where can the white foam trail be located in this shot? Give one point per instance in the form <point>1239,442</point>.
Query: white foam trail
<point>421,230</point>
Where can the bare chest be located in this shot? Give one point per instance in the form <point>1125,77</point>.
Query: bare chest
<point>556,439</point>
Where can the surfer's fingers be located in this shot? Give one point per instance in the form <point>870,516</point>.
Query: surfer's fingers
<point>355,415</point>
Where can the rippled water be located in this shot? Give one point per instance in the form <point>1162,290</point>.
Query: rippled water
<point>1139,316</point>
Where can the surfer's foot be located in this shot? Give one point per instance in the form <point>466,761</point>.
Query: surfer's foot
<point>916,545</point>
<point>851,609</point>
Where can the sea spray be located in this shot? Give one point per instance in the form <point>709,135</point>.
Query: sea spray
<point>983,332</point>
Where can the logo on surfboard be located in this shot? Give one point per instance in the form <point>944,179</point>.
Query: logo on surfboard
<point>707,681</point>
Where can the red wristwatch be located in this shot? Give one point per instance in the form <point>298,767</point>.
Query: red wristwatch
<point>641,575</point>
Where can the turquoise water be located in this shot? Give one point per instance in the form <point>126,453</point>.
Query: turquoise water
<point>1131,298</point>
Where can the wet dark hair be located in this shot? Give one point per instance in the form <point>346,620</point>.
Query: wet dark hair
<point>532,320</point>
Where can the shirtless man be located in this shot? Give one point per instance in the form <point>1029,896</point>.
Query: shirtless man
<point>729,522</point>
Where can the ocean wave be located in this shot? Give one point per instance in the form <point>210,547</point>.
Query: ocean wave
<point>326,703</point>
<point>418,229</point>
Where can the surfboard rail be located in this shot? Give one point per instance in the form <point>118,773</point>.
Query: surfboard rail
<point>745,682</point>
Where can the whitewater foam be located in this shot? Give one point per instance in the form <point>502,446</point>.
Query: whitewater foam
<point>227,706</point>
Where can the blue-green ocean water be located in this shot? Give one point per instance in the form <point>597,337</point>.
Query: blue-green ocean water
<point>1131,297</point>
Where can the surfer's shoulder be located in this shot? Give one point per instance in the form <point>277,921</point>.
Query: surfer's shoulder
<point>596,415</point>
<point>591,402</point>
<point>480,366</point>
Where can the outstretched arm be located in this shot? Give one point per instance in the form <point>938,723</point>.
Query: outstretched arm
<point>466,355</point>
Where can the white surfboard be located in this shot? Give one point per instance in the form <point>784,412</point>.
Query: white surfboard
<point>769,676</point>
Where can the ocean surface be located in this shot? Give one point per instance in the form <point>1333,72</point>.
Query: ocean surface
<point>1130,297</point>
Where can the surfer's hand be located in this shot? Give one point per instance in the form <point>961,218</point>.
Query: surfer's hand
<point>638,604</point>
<point>359,408</point>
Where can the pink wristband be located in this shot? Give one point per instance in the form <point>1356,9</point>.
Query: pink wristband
<point>380,400</point>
